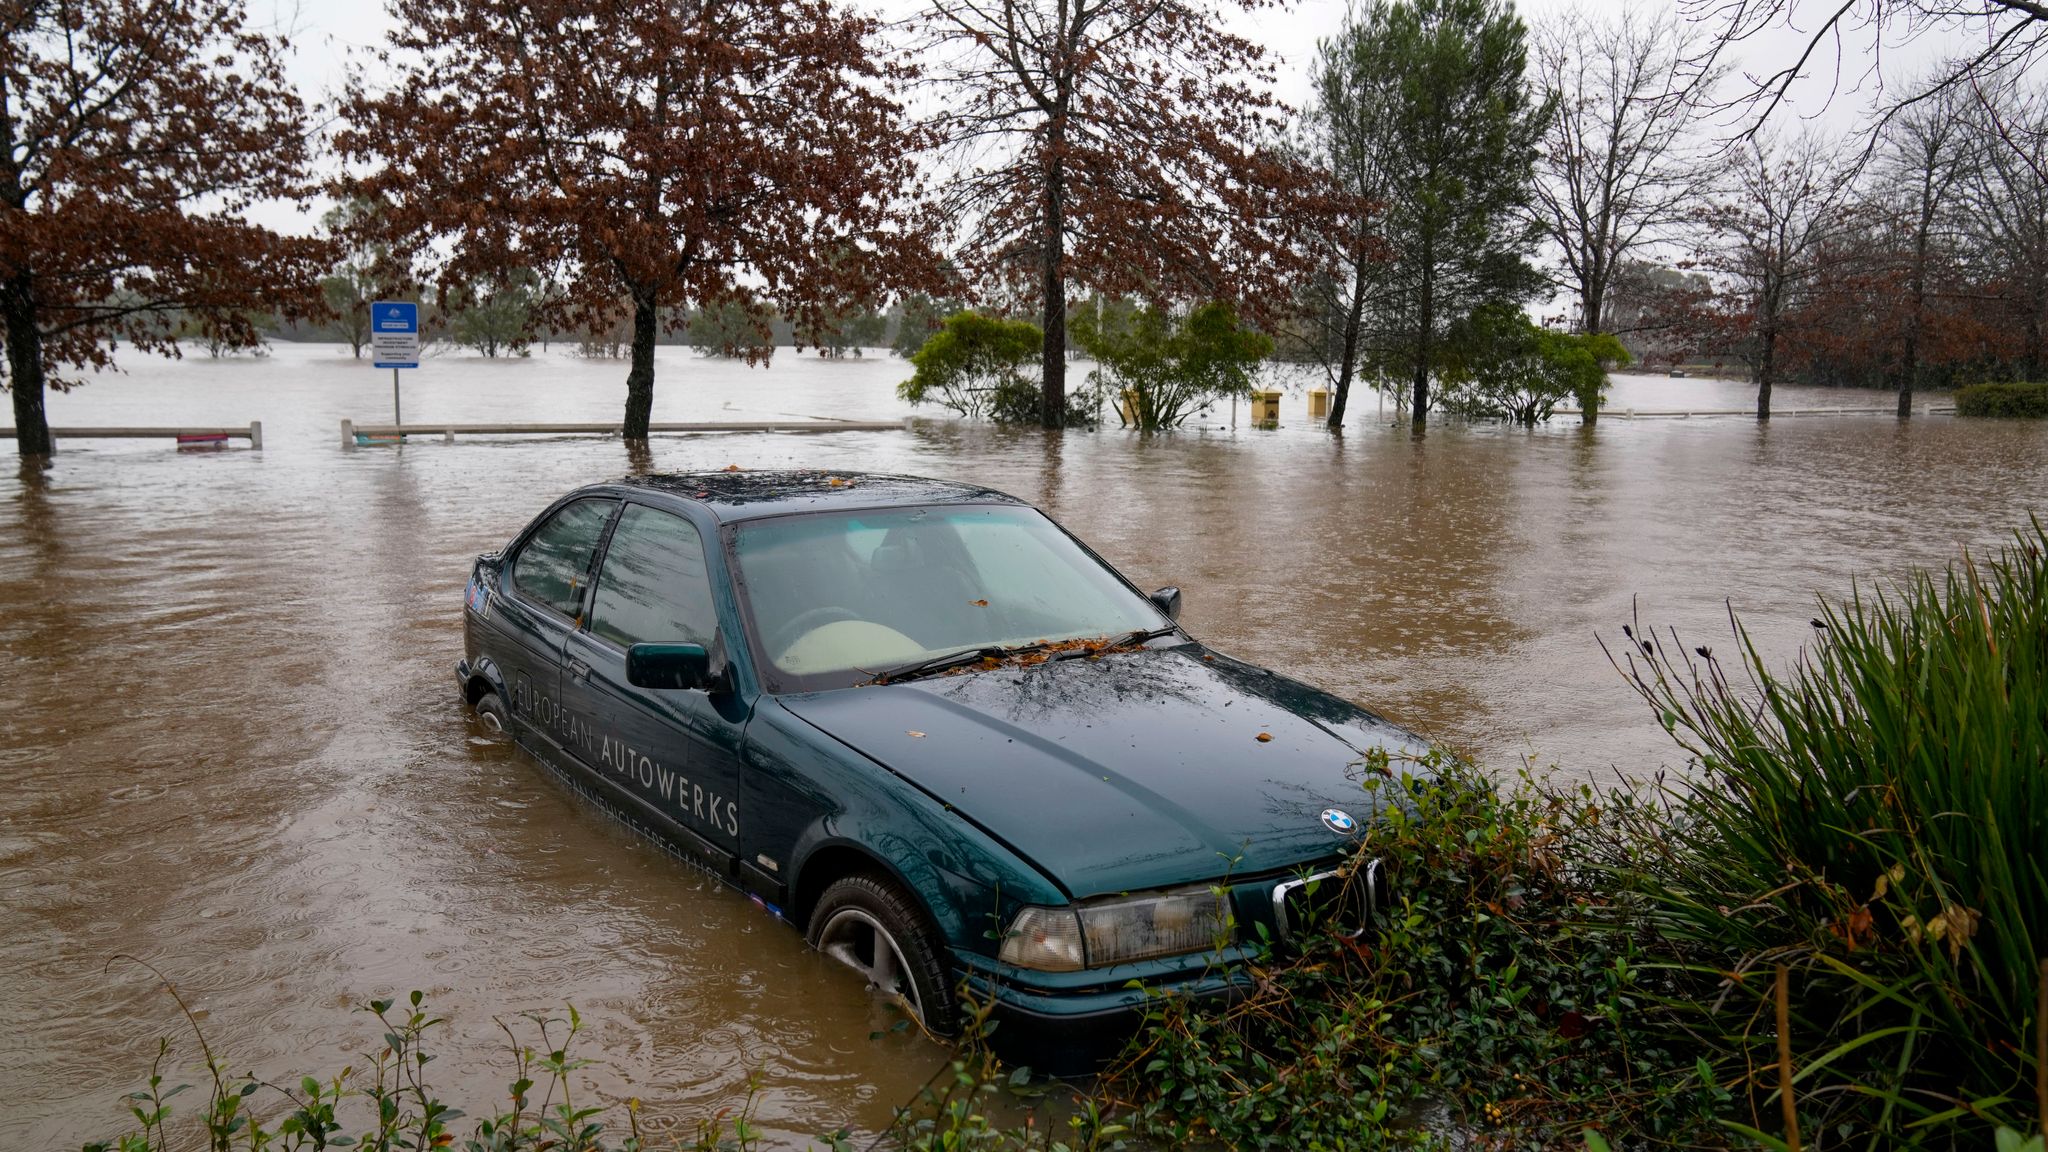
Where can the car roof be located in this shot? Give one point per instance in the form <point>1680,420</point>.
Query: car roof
<point>735,495</point>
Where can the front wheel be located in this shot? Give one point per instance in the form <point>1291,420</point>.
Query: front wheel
<point>871,926</point>
<point>490,713</point>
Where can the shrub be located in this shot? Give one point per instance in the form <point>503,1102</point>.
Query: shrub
<point>1502,365</point>
<point>985,367</point>
<point>1875,818</point>
<point>2003,400</point>
<point>1502,993</point>
<point>977,366</point>
<point>1162,366</point>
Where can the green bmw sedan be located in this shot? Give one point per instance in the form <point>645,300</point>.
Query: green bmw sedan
<point>933,731</point>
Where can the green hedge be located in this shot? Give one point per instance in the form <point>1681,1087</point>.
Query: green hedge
<point>2003,400</point>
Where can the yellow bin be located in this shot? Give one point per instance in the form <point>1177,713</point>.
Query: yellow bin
<point>1318,404</point>
<point>1127,406</point>
<point>1265,408</point>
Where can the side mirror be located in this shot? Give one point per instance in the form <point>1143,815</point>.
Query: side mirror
<point>683,666</point>
<point>1167,600</point>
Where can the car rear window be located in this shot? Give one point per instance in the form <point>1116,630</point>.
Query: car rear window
<point>653,586</point>
<point>552,567</point>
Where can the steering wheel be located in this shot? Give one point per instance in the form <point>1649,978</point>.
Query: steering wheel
<point>796,626</point>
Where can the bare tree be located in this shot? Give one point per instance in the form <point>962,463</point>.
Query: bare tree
<point>1920,169</point>
<point>1622,162</point>
<point>1124,145</point>
<point>1767,232</point>
<point>2007,208</point>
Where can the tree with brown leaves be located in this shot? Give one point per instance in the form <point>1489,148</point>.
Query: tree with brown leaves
<point>673,155</point>
<point>1128,146</point>
<point>134,134</point>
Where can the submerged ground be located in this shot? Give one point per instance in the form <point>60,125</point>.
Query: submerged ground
<point>232,746</point>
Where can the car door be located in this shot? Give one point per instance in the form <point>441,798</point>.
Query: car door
<point>550,578</point>
<point>671,754</point>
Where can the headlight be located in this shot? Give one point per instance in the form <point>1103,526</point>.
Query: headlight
<point>1115,931</point>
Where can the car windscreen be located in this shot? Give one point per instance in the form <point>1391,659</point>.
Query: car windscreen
<point>836,598</point>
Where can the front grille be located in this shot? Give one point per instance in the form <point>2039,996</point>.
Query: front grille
<point>1340,899</point>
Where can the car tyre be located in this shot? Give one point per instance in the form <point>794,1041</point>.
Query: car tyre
<point>871,925</point>
<point>490,714</point>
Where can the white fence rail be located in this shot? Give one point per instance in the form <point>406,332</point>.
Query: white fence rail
<point>354,434</point>
<point>253,433</point>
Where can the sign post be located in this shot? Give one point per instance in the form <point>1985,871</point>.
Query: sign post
<point>395,342</point>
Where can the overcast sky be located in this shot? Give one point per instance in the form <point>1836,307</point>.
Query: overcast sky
<point>328,33</point>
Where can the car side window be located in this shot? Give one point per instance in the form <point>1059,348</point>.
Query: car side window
<point>654,586</point>
<point>552,566</point>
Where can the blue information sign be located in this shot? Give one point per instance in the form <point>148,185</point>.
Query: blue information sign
<point>395,333</point>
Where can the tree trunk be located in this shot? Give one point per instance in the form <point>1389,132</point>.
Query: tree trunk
<point>1354,323</point>
<point>1051,259</point>
<point>1418,412</point>
<point>1766,365</point>
<point>25,367</point>
<point>1591,305</point>
<point>2032,354</point>
<point>1911,368</point>
<point>640,379</point>
<point>1419,402</point>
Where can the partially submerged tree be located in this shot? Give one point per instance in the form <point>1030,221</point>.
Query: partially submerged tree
<point>1462,129</point>
<point>1623,160</point>
<point>674,155</point>
<point>1122,145</point>
<point>134,134</point>
<point>978,366</point>
<point>1922,162</point>
<point>363,272</point>
<point>1768,234</point>
<point>734,328</point>
<point>494,314</point>
<point>917,316</point>
<point>1157,367</point>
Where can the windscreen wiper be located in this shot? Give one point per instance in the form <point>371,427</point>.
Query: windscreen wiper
<point>945,660</point>
<point>1124,641</point>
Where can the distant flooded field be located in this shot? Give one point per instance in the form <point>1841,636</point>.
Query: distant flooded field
<point>233,746</point>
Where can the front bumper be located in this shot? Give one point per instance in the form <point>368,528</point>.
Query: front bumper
<point>1076,1033</point>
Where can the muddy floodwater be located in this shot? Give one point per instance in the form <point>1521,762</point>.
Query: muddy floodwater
<point>231,744</point>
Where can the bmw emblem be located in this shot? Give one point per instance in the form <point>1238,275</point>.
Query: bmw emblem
<point>1339,821</point>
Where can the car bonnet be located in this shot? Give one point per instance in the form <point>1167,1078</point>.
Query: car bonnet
<point>1135,770</point>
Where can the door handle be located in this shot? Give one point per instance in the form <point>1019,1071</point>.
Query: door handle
<point>578,670</point>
